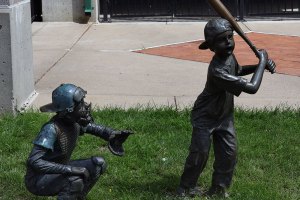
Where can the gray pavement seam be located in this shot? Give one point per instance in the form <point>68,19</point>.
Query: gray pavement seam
<point>66,53</point>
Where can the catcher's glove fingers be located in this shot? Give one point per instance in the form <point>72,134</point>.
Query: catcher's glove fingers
<point>271,66</point>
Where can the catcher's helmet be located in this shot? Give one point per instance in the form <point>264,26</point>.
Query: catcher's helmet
<point>64,98</point>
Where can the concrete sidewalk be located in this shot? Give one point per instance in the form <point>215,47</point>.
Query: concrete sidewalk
<point>99,58</point>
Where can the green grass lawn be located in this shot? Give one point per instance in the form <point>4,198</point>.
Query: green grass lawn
<point>268,159</point>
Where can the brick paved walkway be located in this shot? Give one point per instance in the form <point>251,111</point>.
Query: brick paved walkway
<point>284,50</point>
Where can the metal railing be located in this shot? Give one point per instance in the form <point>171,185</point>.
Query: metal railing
<point>200,8</point>
<point>118,9</point>
<point>279,8</point>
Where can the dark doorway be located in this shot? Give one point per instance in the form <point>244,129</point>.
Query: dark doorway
<point>36,10</point>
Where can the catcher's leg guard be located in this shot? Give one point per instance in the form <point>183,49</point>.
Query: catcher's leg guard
<point>97,166</point>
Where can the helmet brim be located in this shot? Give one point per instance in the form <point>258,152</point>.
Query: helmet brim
<point>48,108</point>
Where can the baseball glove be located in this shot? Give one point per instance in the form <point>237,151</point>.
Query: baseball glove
<point>115,144</point>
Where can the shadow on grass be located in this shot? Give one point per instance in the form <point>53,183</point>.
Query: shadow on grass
<point>163,187</point>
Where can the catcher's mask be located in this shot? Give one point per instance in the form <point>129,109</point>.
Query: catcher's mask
<point>82,113</point>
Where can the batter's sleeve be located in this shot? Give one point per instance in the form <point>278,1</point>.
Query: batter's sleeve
<point>231,83</point>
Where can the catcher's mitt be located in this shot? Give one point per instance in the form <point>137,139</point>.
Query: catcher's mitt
<point>115,145</point>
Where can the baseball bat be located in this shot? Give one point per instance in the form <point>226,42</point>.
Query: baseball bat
<point>223,12</point>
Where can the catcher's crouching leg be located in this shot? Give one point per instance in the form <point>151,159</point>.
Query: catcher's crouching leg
<point>96,167</point>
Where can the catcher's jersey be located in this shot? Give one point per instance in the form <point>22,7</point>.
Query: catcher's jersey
<point>60,139</point>
<point>214,106</point>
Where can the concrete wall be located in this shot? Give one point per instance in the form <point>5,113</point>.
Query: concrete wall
<point>5,64</point>
<point>16,64</point>
<point>67,11</point>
